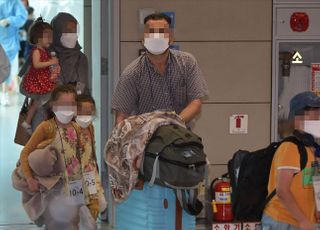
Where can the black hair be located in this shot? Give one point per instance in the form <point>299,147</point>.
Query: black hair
<point>55,94</point>
<point>36,30</point>
<point>157,16</point>
<point>85,98</point>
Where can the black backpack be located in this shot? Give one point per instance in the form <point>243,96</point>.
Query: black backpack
<point>249,176</point>
<point>174,158</point>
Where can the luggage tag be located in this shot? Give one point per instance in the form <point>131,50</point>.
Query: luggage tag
<point>90,181</point>
<point>76,191</point>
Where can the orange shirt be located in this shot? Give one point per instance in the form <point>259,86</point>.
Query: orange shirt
<point>288,157</point>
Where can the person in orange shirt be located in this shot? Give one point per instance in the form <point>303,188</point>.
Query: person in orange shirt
<point>293,206</point>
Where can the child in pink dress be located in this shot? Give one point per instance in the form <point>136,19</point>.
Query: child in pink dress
<point>40,80</point>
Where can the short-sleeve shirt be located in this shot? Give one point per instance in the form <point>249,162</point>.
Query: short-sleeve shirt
<point>142,89</point>
<point>288,157</point>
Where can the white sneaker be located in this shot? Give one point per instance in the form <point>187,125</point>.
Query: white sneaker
<point>27,127</point>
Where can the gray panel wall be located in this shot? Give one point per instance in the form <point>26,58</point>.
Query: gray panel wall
<point>231,41</point>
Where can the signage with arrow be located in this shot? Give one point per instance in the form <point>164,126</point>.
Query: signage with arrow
<point>297,58</point>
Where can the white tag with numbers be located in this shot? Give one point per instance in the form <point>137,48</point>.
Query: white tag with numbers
<point>76,191</point>
<point>90,181</point>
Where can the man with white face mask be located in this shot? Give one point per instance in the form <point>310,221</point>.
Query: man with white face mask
<point>293,206</point>
<point>161,79</point>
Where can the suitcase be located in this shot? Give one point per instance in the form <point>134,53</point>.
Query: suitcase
<point>153,208</point>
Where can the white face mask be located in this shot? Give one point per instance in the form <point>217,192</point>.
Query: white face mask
<point>69,40</point>
<point>64,116</point>
<point>84,120</point>
<point>156,43</point>
<point>312,127</point>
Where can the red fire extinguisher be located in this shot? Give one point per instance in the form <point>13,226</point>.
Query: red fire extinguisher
<point>221,202</point>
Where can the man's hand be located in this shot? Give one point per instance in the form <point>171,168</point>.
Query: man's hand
<point>191,111</point>
<point>120,117</point>
<point>4,22</point>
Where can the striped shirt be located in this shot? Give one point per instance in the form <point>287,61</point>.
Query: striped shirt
<point>142,89</point>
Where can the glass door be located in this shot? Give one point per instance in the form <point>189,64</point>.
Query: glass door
<point>297,69</point>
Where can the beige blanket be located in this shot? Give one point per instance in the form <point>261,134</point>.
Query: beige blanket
<point>47,165</point>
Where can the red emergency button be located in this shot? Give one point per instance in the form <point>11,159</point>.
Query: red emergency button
<point>299,22</point>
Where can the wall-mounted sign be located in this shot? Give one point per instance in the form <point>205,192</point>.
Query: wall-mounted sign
<point>236,226</point>
<point>172,15</point>
<point>238,124</point>
<point>297,58</point>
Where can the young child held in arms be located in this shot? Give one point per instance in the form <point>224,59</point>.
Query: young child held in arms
<point>40,80</point>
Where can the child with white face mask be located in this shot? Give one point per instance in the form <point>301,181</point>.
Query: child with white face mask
<point>63,134</point>
<point>41,77</point>
<point>86,111</point>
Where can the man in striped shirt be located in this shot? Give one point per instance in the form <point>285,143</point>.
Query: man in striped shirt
<point>160,79</point>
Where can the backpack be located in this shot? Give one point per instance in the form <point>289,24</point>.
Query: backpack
<point>249,176</point>
<point>174,158</point>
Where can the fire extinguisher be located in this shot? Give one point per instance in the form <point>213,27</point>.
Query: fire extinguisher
<point>221,199</point>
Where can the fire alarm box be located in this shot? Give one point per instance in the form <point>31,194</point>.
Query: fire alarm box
<point>299,22</point>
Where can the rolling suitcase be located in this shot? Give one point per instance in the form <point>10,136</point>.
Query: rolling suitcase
<point>153,208</point>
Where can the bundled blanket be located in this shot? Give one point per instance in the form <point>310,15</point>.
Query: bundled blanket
<point>124,149</point>
<point>47,165</point>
